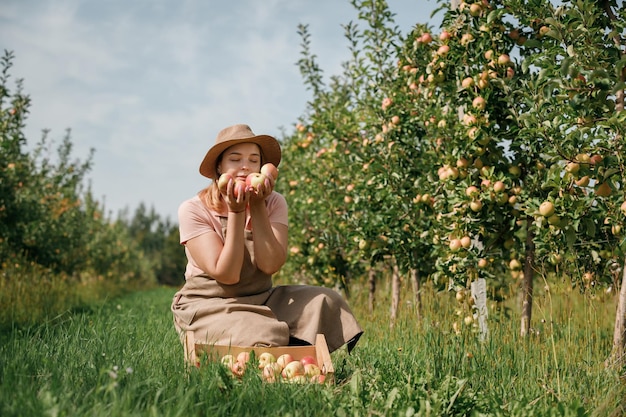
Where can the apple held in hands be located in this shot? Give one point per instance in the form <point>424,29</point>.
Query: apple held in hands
<point>254,180</point>
<point>239,187</point>
<point>222,182</point>
<point>270,170</point>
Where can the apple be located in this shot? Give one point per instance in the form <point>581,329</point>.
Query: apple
<point>243,357</point>
<point>265,359</point>
<point>466,242</point>
<point>298,379</point>
<point>222,182</point>
<point>311,369</point>
<point>308,359</point>
<point>475,9</point>
<point>238,368</point>
<point>284,359</point>
<point>443,50</point>
<point>515,170</point>
<point>455,245</point>
<point>255,179</point>
<point>476,205</point>
<point>554,220</point>
<point>482,263</point>
<point>460,296</point>
<point>318,379</point>
<point>228,360</point>
<point>444,36</point>
<point>479,103</point>
<point>623,208</point>
<point>499,186</point>
<point>270,170</point>
<point>239,187</point>
<point>271,372</point>
<point>426,37</point>
<point>471,191</point>
<point>293,369</point>
<point>467,82</point>
<point>572,167</point>
<point>546,209</point>
<point>504,59</point>
<point>515,265</point>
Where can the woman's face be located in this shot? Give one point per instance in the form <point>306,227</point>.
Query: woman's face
<point>240,160</point>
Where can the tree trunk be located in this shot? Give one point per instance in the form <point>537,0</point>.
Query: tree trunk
<point>618,353</point>
<point>415,280</point>
<point>395,293</point>
<point>527,283</point>
<point>371,281</point>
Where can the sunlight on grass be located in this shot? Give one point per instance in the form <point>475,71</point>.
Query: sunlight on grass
<point>124,359</point>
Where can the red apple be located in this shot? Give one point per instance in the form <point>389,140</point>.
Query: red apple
<point>239,187</point>
<point>270,170</point>
<point>308,360</point>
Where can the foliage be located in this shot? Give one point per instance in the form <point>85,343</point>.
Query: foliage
<point>438,147</point>
<point>58,249</point>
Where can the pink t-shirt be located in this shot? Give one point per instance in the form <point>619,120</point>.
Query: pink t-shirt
<point>195,219</point>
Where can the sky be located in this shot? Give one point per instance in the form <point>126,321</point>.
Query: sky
<point>148,84</point>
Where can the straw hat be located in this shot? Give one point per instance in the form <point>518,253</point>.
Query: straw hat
<point>270,148</point>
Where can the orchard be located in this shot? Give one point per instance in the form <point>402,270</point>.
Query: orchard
<point>490,148</point>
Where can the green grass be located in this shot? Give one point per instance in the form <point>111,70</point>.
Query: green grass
<point>124,359</point>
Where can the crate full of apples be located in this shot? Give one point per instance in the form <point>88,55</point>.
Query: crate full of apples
<point>299,364</point>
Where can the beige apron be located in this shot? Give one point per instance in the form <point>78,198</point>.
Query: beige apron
<point>253,313</point>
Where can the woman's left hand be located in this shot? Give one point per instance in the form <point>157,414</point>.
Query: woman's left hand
<point>262,190</point>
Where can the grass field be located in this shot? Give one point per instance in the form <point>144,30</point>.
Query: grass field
<point>123,358</point>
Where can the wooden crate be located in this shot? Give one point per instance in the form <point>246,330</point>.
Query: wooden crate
<point>319,351</point>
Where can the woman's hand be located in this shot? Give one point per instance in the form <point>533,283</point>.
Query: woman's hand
<point>262,190</point>
<point>237,196</point>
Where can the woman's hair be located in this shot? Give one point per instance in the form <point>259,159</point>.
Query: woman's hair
<point>212,198</point>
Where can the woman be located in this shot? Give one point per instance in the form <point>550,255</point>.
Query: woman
<point>234,242</point>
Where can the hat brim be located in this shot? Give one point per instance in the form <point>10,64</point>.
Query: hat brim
<point>270,150</point>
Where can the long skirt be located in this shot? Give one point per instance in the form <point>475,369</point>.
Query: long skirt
<point>281,316</point>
